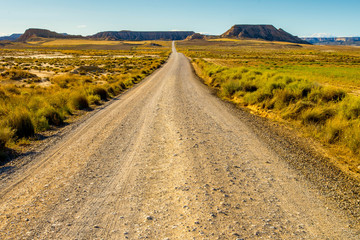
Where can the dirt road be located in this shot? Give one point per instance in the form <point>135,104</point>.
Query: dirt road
<point>166,160</point>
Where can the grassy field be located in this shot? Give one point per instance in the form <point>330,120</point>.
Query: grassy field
<point>86,44</point>
<point>42,88</point>
<point>313,88</point>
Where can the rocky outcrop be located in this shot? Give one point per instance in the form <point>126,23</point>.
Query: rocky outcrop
<point>43,33</point>
<point>141,36</point>
<point>265,32</point>
<point>352,41</point>
<point>196,36</point>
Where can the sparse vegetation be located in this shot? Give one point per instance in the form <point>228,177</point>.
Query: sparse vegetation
<point>312,87</point>
<point>41,89</point>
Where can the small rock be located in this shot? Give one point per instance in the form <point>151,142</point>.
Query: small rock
<point>149,218</point>
<point>96,226</point>
<point>197,222</point>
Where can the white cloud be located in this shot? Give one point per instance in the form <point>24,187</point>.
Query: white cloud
<point>81,26</point>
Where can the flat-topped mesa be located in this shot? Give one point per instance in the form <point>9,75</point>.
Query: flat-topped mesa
<point>43,33</point>
<point>141,36</point>
<point>265,32</point>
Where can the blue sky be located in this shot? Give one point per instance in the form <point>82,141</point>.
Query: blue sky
<point>302,18</point>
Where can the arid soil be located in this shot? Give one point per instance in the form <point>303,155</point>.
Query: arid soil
<point>168,160</point>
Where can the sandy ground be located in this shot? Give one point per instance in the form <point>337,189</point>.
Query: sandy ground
<point>166,160</point>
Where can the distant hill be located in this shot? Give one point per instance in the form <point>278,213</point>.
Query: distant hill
<point>140,36</point>
<point>33,33</point>
<point>12,37</point>
<point>353,41</point>
<point>265,32</point>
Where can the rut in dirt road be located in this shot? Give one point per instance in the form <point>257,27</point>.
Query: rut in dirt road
<point>166,159</point>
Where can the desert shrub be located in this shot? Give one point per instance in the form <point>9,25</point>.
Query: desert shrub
<point>52,116</point>
<point>69,80</point>
<point>3,95</point>
<point>15,74</point>
<point>79,101</point>
<point>350,107</point>
<point>101,92</point>
<point>332,94</point>
<point>248,87</point>
<point>334,129</point>
<point>295,111</point>
<point>94,99</point>
<point>20,121</point>
<point>284,97</point>
<point>36,102</point>
<point>318,115</point>
<point>276,86</point>
<point>111,91</point>
<point>230,87</point>
<point>13,89</point>
<point>40,123</point>
<point>352,137</point>
<point>257,97</point>
<point>327,94</point>
<point>128,83</point>
<point>122,85</point>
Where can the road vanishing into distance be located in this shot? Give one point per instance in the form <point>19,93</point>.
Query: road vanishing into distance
<point>167,160</point>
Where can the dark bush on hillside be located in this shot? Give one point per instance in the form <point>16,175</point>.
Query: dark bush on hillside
<point>248,87</point>
<point>21,122</point>
<point>79,102</point>
<point>101,92</point>
<point>111,91</point>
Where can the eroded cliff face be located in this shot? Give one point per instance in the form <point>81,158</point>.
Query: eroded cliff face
<point>265,32</point>
<point>140,36</point>
<point>43,33</point>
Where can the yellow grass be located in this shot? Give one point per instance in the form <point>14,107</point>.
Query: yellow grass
<point>72,42</point>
